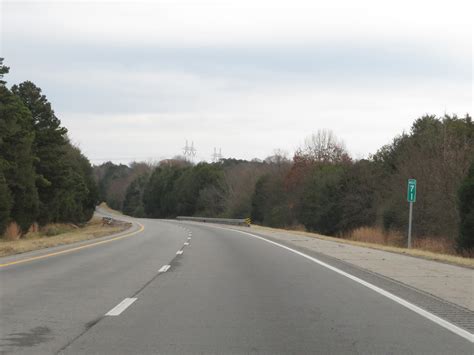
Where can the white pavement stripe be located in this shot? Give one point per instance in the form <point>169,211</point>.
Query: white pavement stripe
<point>164,268</point>
<point>189,238</point>
<point>434,318</point>
<point>186,243</point>
<point>122,306</point>
<point>179,252</point>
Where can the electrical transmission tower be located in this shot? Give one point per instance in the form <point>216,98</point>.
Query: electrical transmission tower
<point>217,156</point>
<point>189,151</point>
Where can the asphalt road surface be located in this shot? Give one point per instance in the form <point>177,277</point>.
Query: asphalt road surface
<point>179,287</point>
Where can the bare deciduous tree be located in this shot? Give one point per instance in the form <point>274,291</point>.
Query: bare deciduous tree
<point>323,146</point>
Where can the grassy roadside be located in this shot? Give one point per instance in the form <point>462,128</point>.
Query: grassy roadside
<point>446,258</point>
<point>66,235</point>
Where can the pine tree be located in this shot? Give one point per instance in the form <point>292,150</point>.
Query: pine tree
<point>16,140</point>
<point>3,70</point>
<point>465,239</point>
<point>48,148</point>
<point>5,203</point>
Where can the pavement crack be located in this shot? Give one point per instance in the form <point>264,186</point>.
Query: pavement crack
<point>88,327</point>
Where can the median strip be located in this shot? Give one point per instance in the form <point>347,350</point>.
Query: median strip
<point>122,306</point>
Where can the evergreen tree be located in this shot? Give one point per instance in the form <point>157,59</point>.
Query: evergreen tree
<point>48,148</point>
<point>191,184</point>
<point>259,199</point>
<point>160,196</point>
<point>321,207</point>
<point>133,202</point>
<point>16,158</point>
<point>465,240</point>
<point>3,70</point>
<point>270,202</point>
<point>5,196</point>
<point>5,203</point>
<point>78,198</point>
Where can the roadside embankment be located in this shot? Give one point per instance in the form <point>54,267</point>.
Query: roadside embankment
<point>57,235</point>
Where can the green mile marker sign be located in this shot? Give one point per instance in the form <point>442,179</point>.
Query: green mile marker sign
<point>411,193</point>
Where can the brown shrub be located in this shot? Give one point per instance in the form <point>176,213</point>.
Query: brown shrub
<point>12,232</point>
<point>34,228</point>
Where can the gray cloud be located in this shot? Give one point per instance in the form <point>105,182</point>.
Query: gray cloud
<point>153,84</point>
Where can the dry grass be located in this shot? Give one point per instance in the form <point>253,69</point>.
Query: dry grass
<point>377,236</point>
<point>435,245</point>
<point>374,238</point>
<point>395,239</point>
<point>58,234</point>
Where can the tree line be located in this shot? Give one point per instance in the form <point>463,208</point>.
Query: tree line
<point>44,178</point>
<point>321,187</point>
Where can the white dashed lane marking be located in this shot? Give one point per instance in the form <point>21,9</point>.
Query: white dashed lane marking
<point>122,306</point>
<point>164,268</point>
<point>179,252</point>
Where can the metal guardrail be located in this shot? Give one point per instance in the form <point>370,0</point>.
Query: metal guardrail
<point>236,222</point>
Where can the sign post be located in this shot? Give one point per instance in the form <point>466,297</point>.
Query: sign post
<point>411,198</point>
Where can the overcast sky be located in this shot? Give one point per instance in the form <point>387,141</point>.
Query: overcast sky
<point>134,80</point>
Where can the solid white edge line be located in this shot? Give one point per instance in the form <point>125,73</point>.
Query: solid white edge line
<point>122,306</point>
<point>444,323</point>
<point>164,268</point>
<point>179,252</point>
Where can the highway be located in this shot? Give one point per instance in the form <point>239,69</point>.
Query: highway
<point>181,287</point>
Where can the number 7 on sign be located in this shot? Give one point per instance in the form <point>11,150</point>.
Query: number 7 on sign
<point>411,195</point>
